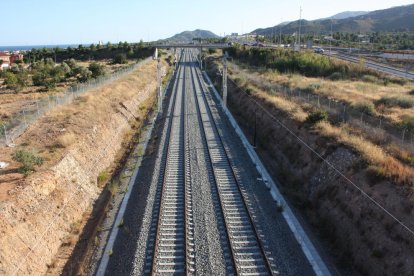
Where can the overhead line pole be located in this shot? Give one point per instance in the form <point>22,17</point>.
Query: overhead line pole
<point>300,21</point>
<point>159,84</point>
<point>225,79</point>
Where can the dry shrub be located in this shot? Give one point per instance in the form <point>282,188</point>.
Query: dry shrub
<point>66,139</point>
<point>385,165</point>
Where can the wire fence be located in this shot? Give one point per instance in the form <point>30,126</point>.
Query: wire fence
<point>19,122</point>
<point>241,95</point>
<point>381,130</point>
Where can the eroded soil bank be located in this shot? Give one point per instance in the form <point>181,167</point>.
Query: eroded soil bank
<point>81,144</point>
<point>359,236</point>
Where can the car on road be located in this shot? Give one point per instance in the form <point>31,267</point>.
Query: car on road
<point>319,50</point>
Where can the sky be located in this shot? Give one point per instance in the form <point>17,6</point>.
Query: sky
<point>52,22</point>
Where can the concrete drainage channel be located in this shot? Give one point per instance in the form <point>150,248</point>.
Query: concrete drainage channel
<point>308,248</point>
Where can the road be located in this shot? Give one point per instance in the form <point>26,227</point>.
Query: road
<point>203,211</point>
<point>375,66</point>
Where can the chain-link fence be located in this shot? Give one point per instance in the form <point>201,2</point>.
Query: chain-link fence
<point>378,128</point>
<point>19,122</point>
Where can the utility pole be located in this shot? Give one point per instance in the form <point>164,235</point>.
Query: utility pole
<point>300,21</point>
<point>280,32</point>
<point>330,41</point>
<point>159,86</point>
<point>201,54</point>
<point>225,79</point>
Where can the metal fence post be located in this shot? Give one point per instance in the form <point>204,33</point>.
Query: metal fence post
<point>344,113</point>
<point>5,134</point>
<point>24,118</point>
<point>403,136</point>
<point>37,105</point>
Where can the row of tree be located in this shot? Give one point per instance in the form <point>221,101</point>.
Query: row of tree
<point>47,74</point>
<point>92,52</point>
<point>375,40</point>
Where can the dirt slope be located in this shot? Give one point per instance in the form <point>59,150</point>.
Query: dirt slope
<point>359,236</point>
<point>79,142</point>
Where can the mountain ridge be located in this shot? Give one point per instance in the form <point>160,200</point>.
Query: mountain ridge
<point>386,20</point>
<point>188,36</point>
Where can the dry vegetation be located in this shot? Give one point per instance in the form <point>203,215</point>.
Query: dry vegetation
<point>371,90</point>
<point>385,165</point>
<point>80,144</point>
<point>13,101</point>
<point>355,230</point>
<point>386,159</point>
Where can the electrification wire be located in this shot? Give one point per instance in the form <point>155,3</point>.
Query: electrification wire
<point>327,162</point>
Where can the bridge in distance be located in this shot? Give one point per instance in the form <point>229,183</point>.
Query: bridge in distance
<point>190,45</point>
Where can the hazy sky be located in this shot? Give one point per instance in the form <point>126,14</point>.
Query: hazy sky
<point>32,22</point>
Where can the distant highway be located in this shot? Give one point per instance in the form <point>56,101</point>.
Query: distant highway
<point>375,66</point>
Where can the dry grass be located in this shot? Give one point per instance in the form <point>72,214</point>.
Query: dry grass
<point>351,92</point>
<point>388,166</point>
<point>66,139</point>
<point>291,108</point>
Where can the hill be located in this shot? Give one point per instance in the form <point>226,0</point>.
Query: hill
<point>187,36</point>
<point>392,19</point>
<point>347,14</point>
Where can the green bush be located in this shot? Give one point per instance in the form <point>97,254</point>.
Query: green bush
<point>407,123</point>
<point>120,59</point>
<point>83,74</point>
<point>28,160</point>
<point>316,117</point>
<point>369,78</point>
<point>102,177</point>
<point>96,69</point>
<point>335,76</point>
<point>16,81</point>
<point>10,80</point>
<point>403,102</point>
<point>365,107</point>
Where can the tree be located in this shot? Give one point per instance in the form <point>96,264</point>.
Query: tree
<point>120,59</point>
<point>10,80</point>
<point>66,69</point>
<point>141,43</point>
<point>72,63</point>
<point>84,74</point>
<point>96,69</point>
<point>16,81</point>
<point>43,78</point>
<point>108,45</point>
<point>92,47</point>
<point>1,62</point>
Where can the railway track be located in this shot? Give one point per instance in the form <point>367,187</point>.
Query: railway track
<point>377,66</point>
<point>248,248</point>
<point>170,247</point>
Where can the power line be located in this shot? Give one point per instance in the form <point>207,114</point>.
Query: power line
<point>326,161</point>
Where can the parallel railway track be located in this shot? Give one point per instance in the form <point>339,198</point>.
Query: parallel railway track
<point>171,241</point>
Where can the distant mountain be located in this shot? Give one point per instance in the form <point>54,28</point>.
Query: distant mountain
<point>347,14</point>
<point>187,36</point>
<point>392,19</point>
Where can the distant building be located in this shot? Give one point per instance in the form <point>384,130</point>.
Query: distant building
<point>9,59</point>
